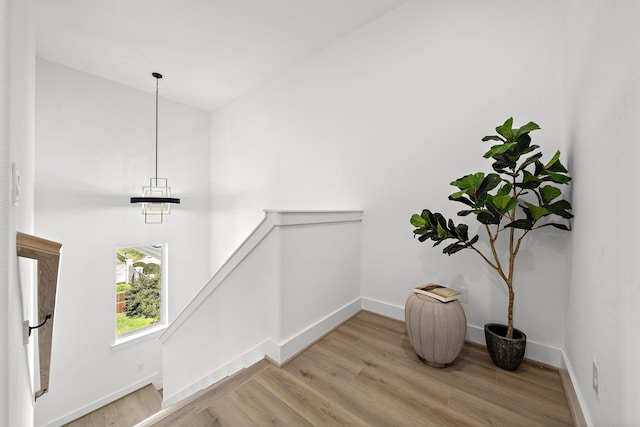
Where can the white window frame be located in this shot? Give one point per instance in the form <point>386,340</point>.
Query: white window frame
<point>153,331</point>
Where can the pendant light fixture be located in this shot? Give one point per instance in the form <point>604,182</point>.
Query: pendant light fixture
<point>156,198</point>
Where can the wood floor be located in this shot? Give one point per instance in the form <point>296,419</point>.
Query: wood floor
<point>124,412</point>
<point>365,373</point>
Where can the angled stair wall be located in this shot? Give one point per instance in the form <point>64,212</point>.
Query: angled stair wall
<point>257,305</point>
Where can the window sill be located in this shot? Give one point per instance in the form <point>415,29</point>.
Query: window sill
<point>146,334</point>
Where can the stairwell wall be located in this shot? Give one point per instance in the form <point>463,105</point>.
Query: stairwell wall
<point>94,149</point>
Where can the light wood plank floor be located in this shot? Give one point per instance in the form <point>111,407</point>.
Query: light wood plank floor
<point>124,412</point>
<point>365,373</point>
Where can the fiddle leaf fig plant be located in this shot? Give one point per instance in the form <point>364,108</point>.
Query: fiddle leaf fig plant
<point>521,195</point>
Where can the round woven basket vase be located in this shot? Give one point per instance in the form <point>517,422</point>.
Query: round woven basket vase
<point>436,329</point>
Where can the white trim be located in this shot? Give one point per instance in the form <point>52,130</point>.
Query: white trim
<point>256,236</point>
<point>97,404</point>
<point>293,345</point>
<point>383,308</point>
<point>566,364</point>
<point>140,335</point>
<point>245,360</point>
<point>278,352</point>
<point>313,217</point>
<point>535,350</point>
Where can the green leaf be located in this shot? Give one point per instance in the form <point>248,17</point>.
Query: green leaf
<point>560,204</point>
<point>539,168</point>
<point>418,221</point>
<point>522,150</point>
<point>531,126</point>
<point>558,167</point>
<point>453,248</point>
<point>537,211</point>
<point>490,182</point>
<point>468,183</point>
<point>506,129</point>
<point>424,237</point>
<point>499,149</point>
<point>549,192</point>
<point>523,224</point>
<point>500,167</point>
<point>492,138</point>
<point>477,179</point>
<point>488,218</point>
<point>442,232</point>
<point>462,199</point>
<point>505,203</point>
<point>561,208</point>
<point>554,164</point>
<point>500,202</point>
<point>553,160</point>
<point>462,232</point>
<point>558,178</point>
<point>505,189</point>
<point>527,212</point>
<point>530,160</point>
<point>529,181</point>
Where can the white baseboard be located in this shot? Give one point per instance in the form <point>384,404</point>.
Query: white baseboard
<point>152,379</point>
<point>566,364</point>
<point>245,360</point>
<point>277,352</point>
<point>535,351</point>
<point>308,336</point>
<point>383,308</point>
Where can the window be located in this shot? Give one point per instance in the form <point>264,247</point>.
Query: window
<point>138,288</point>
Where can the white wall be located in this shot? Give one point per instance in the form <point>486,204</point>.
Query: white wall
<point>382,121</point>
<point>17,98</point>
<point>603,112</point>
<point>6,226</point>
<point>94,149</point>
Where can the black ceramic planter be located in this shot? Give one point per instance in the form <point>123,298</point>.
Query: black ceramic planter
<point>506,353</point>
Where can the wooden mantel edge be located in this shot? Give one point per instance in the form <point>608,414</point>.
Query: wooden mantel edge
<point>33,247</point>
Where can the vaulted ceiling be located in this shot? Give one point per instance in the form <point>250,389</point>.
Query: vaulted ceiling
<point>209,51</point>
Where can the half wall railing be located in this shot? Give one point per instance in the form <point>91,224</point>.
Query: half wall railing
<point>293,279</point>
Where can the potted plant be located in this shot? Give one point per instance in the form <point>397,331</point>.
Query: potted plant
<point>520,196</point>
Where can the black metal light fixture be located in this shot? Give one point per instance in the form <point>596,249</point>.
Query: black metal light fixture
<point>156,198</point>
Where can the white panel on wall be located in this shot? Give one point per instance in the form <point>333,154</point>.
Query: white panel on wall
<point>320,273</point>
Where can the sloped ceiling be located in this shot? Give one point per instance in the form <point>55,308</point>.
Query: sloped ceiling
<point>209,51</point>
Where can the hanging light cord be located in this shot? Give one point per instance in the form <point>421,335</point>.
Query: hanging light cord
<point>158,76</point>
<point>159,202</point>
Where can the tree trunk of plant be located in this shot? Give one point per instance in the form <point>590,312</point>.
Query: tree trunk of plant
<point>510,313</point>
